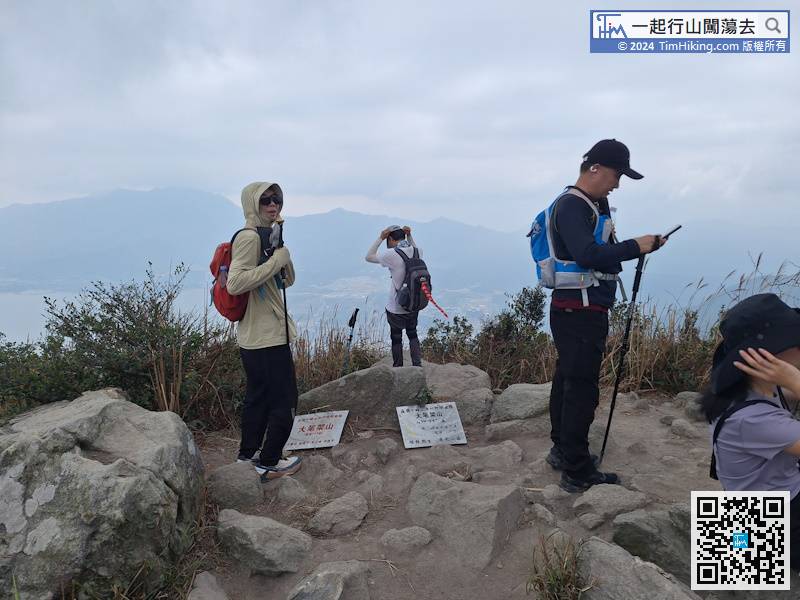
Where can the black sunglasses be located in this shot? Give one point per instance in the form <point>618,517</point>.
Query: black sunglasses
<point>277,200</point>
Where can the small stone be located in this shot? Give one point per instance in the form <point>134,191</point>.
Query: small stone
<point>542,514</point>
<point>630,397</point>
<point>289,490</point>
<point>340,516</point>
<point>553,493</point>
<point>637,448</point>
<point>591,521</point>
<point>666,420</point>
<point>406,540</point>
<point>682,428</point>
<point>671,461</point>
<point>385,448</point>
<point>235,486</point>
<point>642,404</point>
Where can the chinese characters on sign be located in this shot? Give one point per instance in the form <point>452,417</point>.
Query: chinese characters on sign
<point>317,430</point>
<point>430,425</point>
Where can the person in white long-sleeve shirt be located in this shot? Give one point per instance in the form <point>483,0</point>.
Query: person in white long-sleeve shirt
<point>398,239</point>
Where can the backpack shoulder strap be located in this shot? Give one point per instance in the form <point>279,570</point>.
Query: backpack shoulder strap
<point>574,192</point>
<point>240,231</point>
<point>721,421</point>
<point>734,409</point>
<point>404,256</point>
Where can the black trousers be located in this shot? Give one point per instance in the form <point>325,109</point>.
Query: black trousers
<point>269,402</point>
<point>408,322</point>
<point>580,339</point>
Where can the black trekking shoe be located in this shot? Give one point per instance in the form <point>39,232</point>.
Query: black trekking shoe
<point>556,459</point>
<point>573,485</point>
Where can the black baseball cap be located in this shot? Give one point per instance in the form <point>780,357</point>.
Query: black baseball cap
<point>612,154</point>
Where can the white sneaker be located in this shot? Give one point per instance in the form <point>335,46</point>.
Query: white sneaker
<point>285,466</point>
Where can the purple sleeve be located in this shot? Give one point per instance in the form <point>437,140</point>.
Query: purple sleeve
<point>767,433</point>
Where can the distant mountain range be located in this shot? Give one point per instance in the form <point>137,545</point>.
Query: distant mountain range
<point>63,246</point>
<point>60,247</point>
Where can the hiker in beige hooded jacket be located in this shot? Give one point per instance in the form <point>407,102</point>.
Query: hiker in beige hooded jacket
<point>271,397</point>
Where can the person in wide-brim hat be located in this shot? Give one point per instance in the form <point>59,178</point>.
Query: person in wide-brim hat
<point>760,321</point>
<point>755,437</point>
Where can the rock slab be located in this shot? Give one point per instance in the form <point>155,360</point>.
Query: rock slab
<point>262,545</point>
<point>342,580</point>
<point>616,575</point>
<point>472,520</point>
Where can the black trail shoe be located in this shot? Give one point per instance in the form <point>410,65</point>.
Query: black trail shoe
<point>573,485</point>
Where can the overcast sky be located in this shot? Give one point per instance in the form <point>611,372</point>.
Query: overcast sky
<point>477,111</point>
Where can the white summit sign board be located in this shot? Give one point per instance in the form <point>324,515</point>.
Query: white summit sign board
<point>317,430</point>
<point>430,425</point>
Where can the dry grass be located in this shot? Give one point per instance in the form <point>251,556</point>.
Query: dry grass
<point>670,346</point>
<point>555,572</point>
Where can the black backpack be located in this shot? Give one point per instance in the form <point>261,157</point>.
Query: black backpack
<point>411,295</point>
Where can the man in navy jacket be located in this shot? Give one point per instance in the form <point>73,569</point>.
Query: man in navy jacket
<point>578,318</point>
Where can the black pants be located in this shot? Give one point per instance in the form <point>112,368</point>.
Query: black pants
<point>408,322</point>
<point>580,339</point>
<point>269,402</point>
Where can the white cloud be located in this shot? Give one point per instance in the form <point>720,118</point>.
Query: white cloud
<point>461,109</point>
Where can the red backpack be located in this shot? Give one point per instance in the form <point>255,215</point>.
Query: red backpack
<point>229,306</point>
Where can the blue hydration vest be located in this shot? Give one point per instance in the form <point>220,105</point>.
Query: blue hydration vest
<point>555,273</point>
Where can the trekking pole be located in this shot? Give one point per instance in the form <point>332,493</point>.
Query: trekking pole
<point>626,337</point>
<point>352,324</point>
<point>623,350</point>
<point>286,324</point>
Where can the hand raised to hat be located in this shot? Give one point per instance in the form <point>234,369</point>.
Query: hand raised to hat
<point>763,365</point>
<point>385,233</point>
<point>407,229</point>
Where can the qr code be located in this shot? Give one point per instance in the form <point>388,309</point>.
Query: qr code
<point>740,540</point>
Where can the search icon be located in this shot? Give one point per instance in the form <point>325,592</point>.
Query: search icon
<point>772,25</point>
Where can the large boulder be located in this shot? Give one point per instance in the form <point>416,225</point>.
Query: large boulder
<point>92,489</point>
<point>449,381</point>
<point>260,544</point>
<point>521,401</point>
<point>342,580</point>
<point>662,537</point>
<point>474,406</point>
<point>472,520</point>
<point>616,575</point>
<point>370,394</point>
<point>453,381</point>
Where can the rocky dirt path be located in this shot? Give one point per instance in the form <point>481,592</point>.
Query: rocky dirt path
<point>659,450</point>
